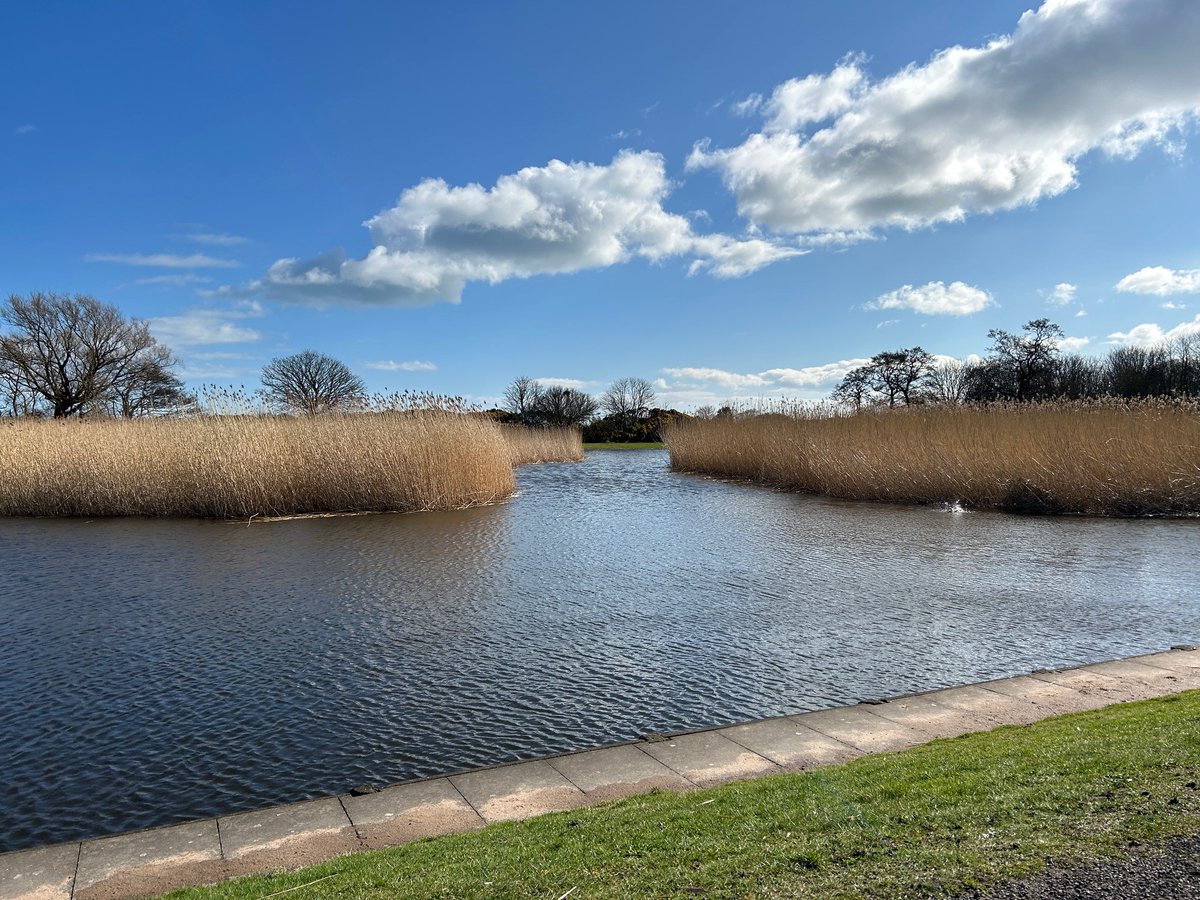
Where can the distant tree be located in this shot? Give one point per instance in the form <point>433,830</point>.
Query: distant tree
<point>895,377</point>
<point>628,399</point>
<point>154,390</point>
<point>855,388</point>
<point>75,353</point>
<point>563,406</point>
<point>521,397</point>
<point>311,383</point>
<point>948,381</point>
<point>1079,377</point>
<point>1026,362</point>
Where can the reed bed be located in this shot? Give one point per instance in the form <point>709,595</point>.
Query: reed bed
<point>243,466</point>
<point>542,445</point>
<point>1102,458</point>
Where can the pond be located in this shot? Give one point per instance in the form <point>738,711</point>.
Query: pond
<point>159,671</point>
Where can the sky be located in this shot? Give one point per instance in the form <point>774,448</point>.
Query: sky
<point>732,202</point>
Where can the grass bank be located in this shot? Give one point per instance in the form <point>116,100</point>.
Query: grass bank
<point>925,822</point>
<point>242,466</point>
<point>1116,459</point>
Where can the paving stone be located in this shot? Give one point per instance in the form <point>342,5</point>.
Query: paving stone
<point>1184,663</point>
<point>1102,687</point>
<point>856,726</point>
<point>174,845</point>
<point>708,758</point>
<point>270,829</point>
<point>1052,699</point>
<point>789,744</point>
<point>614,772</point>
<point>993,707</point>
<point>44,873</point>
<point>408,812</point>
<point>1159,679</point>
<point>518,791</point>
<point>931,715</point>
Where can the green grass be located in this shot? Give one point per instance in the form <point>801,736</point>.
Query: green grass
<point>652,445</point>
<point>924,822</point>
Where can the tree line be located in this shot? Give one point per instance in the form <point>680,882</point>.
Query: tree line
<point>1024,367</point>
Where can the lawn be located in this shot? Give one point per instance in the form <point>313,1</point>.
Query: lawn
<point>926,821</point>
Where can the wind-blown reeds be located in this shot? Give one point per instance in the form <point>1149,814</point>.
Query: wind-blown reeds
<point>1105,458</point>
<point>542,445</point>
<point>239,466</point>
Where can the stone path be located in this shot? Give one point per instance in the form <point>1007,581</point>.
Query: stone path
<point>151,862</point>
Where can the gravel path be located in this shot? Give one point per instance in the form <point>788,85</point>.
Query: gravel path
<point>1169,871</point>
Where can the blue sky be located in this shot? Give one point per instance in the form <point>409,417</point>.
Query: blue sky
<point>733,203</point>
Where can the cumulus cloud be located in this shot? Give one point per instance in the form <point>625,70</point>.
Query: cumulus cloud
<point>415,365</point>
<point>974,129</point>
<point>208,326</point>
<point>691,386</point>
<point>935,299</point>
<point>1161,281</point>
<point>557,218</point>
<point>1062,294</point>
<point>1149,334</point>
<point>164,260</point>
<point>1073,344</point>
<point>573,383</point>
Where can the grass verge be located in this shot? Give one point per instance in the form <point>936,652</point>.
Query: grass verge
<point>612,445</point>
<point>925,822</point>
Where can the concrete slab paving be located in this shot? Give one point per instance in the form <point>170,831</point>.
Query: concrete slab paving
<point>517,791</point>
<point>790,745</point>
<point>614,772</point>
<point>1156,678</point>
<point>992,707</point>
<point>1052,699</point>
<point>862,729</point>
<point>707,757</point>
<point>931,715</point>
<point>273,829</point>
<point>175,845</point>
<point>1105,688</point>
<point>1185,661</point>
<point>44,873</point>
<point>408,812</point>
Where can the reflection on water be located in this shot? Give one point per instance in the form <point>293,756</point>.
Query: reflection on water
<point>156,671</point>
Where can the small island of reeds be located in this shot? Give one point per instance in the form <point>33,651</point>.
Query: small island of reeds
<point>1100,458</point>
<point>402,458</point>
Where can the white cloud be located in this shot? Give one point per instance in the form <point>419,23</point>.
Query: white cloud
<point>749,106</point>
<point>1062,294</point>
<point>164,260</point>
<point>208,326</point>
<point>557,218</point>
<point>1073,344</point>
<point>691,386</point>
<point>935,299</point>
<point>1161,281</point>
<point>1149,334</point>
<point>573,383</point>
<point>1172,305</point>
<point>974,129</point>
<point>24,129</point>
<point>218,240</point>
<point>1080,313</point>
<point>185,278</point>
<point>415,365</point>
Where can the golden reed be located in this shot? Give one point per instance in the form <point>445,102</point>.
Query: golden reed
<point>1101,458</point>
<point>242,466</point>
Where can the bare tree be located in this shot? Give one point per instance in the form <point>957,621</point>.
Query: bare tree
<point>1027,360</point>
<point>628,398</point>
<point>564,406</point>
<point>74,352</point>
<point>948,381</point>
<point>521,397</point>
<point>311,383</point>
<point>855,388</point>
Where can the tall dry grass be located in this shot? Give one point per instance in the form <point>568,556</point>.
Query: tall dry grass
<point>1116,459</point>
<point>542,445</point>
<point>242,466</point>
